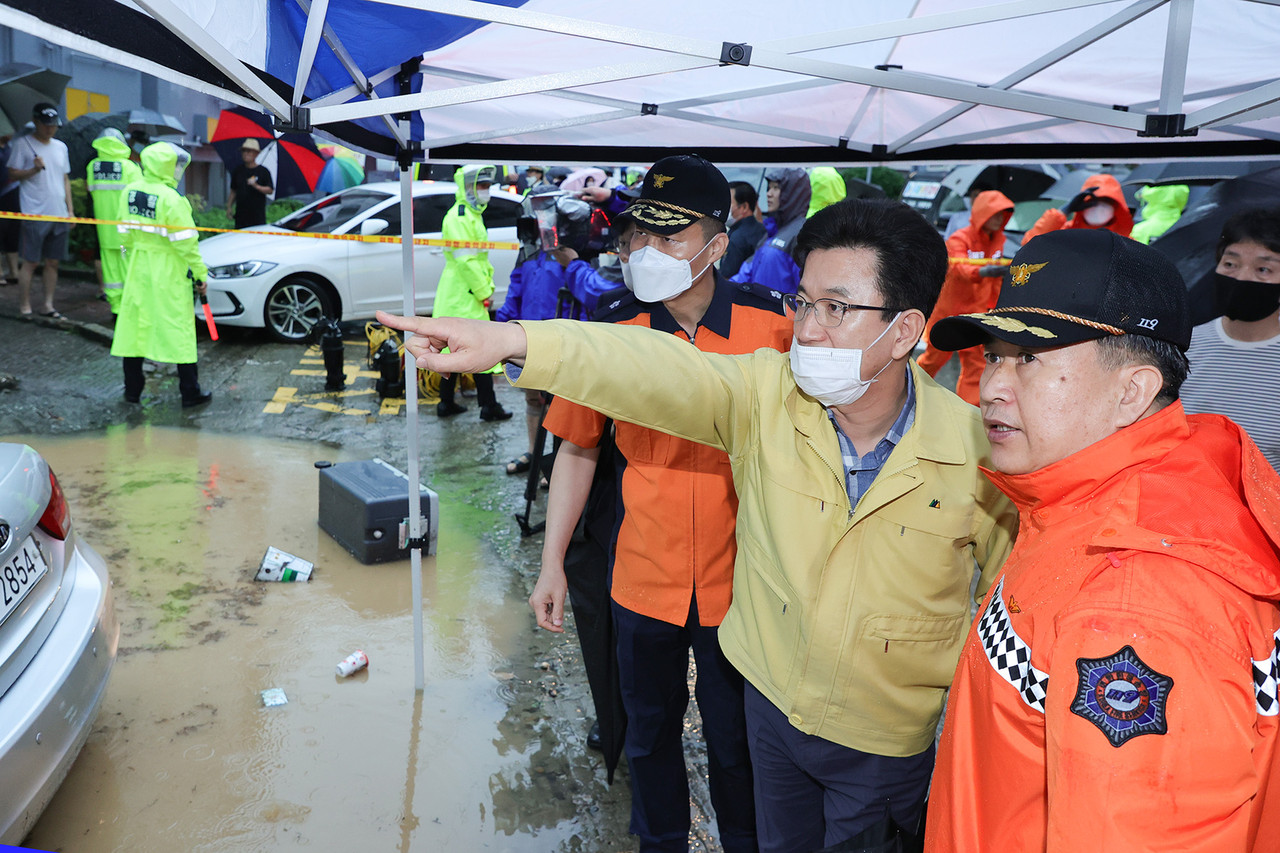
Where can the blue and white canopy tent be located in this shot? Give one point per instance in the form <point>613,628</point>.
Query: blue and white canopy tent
<point>739,81</point>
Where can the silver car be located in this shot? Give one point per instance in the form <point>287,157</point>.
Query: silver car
<point>58,638</point>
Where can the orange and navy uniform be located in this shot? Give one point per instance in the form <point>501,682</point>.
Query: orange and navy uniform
<point>965,291</point>
<point>1118,690</point>
<point>675,535</point>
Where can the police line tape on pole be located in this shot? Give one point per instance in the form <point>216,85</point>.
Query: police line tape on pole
<point>359,238</point>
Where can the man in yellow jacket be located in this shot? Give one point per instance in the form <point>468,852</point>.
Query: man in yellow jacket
<point>156,319</point>
<point>861,510</point>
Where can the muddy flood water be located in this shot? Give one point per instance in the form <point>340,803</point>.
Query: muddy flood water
<point>184,755</point>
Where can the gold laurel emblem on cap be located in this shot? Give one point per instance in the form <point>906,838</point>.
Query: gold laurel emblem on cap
<point>1021,273</point>
<point>659,216</point>
<point>659,180</point>
<point>1010,324</point>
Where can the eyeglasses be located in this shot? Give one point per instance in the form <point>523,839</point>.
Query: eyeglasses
<point>829,312</point>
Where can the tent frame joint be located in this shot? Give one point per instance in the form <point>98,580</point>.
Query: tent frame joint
<point>735,53</point>
<point>407,153</point>
<point>1168,125</point>
<point>648,109</point>
<point>299,120</point>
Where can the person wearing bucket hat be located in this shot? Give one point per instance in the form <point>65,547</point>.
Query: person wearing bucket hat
<point>250,186</point>
<point>673,541</point>
<point>1125,664</point>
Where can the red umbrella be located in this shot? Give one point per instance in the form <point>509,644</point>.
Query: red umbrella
<point>234,127</point>
<point>294,162</point>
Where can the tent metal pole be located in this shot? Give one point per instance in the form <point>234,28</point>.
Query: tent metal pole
<point>1176,47</point>
<point>508,88</point>
<point>193,34</point>
<point>310,41</point>
<point>362,85</point>
<point>1062,51</point>
<point>1236,108</point>
<point>409,308</point>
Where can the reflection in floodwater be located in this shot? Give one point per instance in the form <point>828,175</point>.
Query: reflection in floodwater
<point>185,757</point>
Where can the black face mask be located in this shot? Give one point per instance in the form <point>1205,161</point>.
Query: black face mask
<point>1245,301</point>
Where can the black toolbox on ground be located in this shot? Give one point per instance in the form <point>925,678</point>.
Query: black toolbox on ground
<point>363,505</point>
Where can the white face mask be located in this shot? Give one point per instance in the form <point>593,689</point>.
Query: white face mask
<point>833,375</point>
<point>1099,214</point>
<point>656,277</point>
<point>625,266</point>
<point>482,197</point>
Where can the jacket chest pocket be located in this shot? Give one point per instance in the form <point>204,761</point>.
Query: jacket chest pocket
<point>646,446</point>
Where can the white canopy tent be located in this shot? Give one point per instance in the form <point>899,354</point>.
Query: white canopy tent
<point>739,81</point>
<point>742,81</point>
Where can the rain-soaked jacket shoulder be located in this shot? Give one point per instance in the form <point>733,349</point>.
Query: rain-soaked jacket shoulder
<point>1161,208</point>
<point>827,187</point>
<point>1102,186</point>
<point>1118,690</point>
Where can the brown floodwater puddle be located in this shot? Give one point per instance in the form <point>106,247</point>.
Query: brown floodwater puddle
<point>184,755</point>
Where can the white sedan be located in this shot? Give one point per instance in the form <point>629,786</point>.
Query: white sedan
<point>286,283</point>
<point>58,638</point>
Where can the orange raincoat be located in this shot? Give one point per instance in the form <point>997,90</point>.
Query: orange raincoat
<point>1118,690</point>
<point>1102,186</point>
<point>965,291</point>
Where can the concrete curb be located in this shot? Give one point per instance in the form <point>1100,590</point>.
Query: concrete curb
<point>93,331</point>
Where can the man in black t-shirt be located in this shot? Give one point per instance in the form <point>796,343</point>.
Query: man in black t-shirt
<point>250,186</point>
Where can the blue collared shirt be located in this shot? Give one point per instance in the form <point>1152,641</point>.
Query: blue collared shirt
<point>861,472</point>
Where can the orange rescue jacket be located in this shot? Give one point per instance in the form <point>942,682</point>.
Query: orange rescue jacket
<point>1118,690</point>
<point>1103,186</point>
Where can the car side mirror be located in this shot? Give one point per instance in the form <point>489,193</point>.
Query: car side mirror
<point>370,227</point>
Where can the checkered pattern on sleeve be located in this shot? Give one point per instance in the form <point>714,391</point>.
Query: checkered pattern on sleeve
<point>1266,675</point>
<point>1008,654</point>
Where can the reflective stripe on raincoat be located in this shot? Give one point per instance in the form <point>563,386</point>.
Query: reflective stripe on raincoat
<point>156,319</point>
<point>107,176</point>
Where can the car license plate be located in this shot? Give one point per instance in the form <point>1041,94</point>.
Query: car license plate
<point>19,576</point>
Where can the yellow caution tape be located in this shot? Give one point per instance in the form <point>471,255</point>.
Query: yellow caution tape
<point>359,238</point>
<point>982,262</point>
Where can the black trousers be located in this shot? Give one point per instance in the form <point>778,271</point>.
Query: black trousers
<point>484,388</point>
<point>134,381</point>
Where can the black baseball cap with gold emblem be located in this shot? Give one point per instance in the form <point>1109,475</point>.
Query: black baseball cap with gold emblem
<point>1077,285</point>
<point>677,192</point>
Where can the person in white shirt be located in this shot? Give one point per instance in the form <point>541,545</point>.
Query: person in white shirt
<point>42,167</point>
<point>1235,358</point>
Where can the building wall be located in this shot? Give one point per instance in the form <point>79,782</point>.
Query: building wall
<point>100,86</point>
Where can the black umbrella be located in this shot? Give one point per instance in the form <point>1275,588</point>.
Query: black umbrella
<point>1069,185</point>
<point>586,569</point>
<point>1019,183</point>
<point>22,86</point>
<point>79,133</point>
<point>1192,171</point>
<point>1192,242</point>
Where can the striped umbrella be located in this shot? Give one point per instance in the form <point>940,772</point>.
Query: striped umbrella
<point>294,162</point>
<point>234,126</point>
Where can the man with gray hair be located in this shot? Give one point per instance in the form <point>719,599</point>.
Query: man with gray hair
<point>1118,690</point>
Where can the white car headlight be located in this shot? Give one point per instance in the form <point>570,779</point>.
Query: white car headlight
<point>241,270</point>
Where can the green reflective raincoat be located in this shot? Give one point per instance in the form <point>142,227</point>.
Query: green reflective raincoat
<point>156,318</point>
<point>1161,207</point>
<point>108,174</point>
<point>827,187</point>
<point>467,280</point>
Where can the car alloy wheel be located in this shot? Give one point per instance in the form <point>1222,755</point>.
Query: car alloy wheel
<point>293,306</point>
